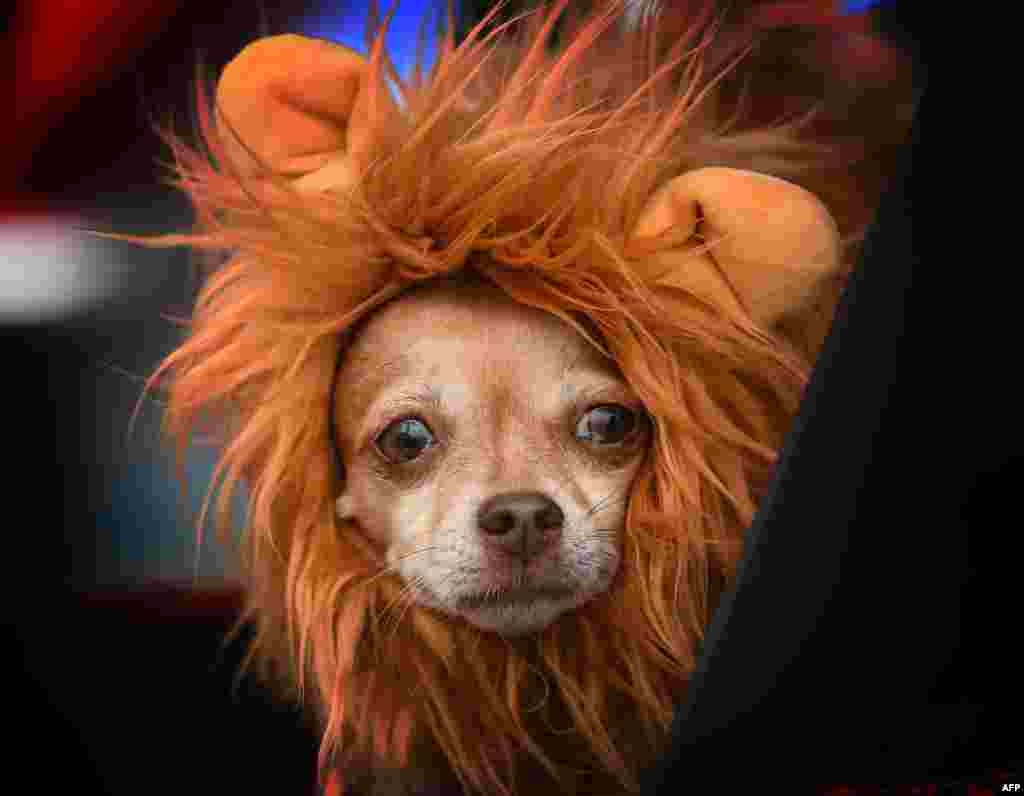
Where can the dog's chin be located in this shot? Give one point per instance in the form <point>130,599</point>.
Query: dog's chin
<point>518,617</point>
<point>510,614</point>
<point>513,606</point>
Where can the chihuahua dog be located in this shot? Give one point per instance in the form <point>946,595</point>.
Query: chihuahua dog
<point>489,449</point>
<point>503,355</point>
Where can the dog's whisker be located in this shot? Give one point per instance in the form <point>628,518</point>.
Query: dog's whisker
<point>410,600</point>
<point>403,600</point>
<point>448,576</point>
<point>407,593</point>
<point>418,581</point>
<point>392,567</point>
<point>604,503</point>
<point>407,596</point>
<point>406,587</point>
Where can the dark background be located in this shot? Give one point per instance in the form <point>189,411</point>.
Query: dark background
<point>120,681</point>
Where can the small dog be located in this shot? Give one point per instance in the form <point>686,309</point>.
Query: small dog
<point>505,367</point>
<point>489,449</point>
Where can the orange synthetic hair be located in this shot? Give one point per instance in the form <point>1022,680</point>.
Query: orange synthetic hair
<point>529,168</point>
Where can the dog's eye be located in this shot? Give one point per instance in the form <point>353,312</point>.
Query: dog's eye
<point>404,440</point>
<point>608,424</point>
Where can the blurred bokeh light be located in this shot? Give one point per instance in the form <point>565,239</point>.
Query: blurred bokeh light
<point>50,270</point>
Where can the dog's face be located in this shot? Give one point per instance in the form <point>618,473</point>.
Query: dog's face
<point>489,449</point>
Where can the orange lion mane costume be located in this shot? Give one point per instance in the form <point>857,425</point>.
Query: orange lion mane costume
<point>628,184</point>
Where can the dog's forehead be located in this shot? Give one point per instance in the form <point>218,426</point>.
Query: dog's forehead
<point>442,323</point>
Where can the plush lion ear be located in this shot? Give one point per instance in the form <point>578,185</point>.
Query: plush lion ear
<point>764,243</point>
<point>301,105</point>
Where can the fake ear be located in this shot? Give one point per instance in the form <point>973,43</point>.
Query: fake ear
<point>764,244</point>
<point>302,106</point>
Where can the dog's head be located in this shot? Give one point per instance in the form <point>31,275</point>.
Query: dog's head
<point>489,449</point>
<point>505,373</point>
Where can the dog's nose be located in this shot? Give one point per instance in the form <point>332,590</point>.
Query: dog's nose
<point>522,524</point>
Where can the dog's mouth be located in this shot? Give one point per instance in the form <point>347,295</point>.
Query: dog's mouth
<point>509,597</point>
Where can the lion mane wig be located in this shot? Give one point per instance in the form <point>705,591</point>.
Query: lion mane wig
<point>615,183</point>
